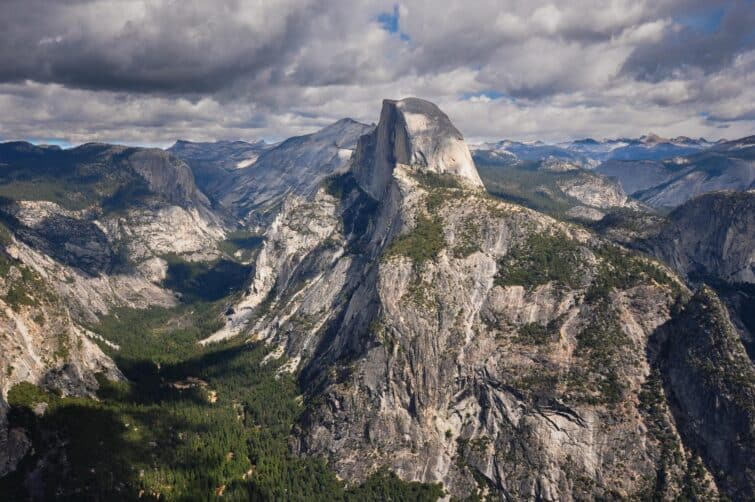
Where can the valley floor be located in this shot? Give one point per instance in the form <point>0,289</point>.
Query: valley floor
<point>192,423</point>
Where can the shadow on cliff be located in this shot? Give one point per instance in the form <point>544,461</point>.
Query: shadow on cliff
<point>138,433</point>
<point>336,347</point>
<point>709,384</point>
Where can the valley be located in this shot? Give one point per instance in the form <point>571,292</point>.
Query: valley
<point>378,312</point>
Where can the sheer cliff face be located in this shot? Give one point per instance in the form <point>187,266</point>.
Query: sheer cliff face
<point>412,132</point>
<point>453,337</point>
<point>711,237</point>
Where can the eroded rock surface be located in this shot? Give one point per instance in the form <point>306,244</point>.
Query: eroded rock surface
<point>454,337</point>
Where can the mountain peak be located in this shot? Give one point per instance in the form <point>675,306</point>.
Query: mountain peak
<point>417,133</point>
<point>653,138</point>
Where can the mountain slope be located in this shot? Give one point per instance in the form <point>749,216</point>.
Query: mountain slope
<point>98,221</point>
<point>297,165</point>
<point>83,232</point>
<point>388,319</point>
<point>557,188</point>
<point>666,184</point>
<point>211,163</point>
<point>454,337</point>
<point>710,236</point>
<point>727,166</point>
<point>711,382</point>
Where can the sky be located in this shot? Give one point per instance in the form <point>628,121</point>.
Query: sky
<point>148,72</point>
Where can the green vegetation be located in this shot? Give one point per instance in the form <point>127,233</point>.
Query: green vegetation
<point>654,411</point>
<point>528,185</point>
<point>421,243</point>
<point>542,258</point>
<point>200,281</point>
<point>715,350</point>
<point>74,179</point>
<point>385,485</point>
<point>538,382</point>
<point>26,287</point>
<point>158,335</point>
<point>440,188</point>
<point>241,243</point>
<point>602,343</point>
<point>740,294</point>
<point>5,234</point>
<point>126,195</point>
<point>620,269</point>
<point>432,181</point>
<point>192,423</point>
<point>467,239</point>
<point>672,468</point>
<point>534,333</point>
<point>27,394</point>
<point>338,185</point>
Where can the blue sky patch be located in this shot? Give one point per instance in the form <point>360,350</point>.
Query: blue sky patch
<point>490,94</point>
<point>707,21</point>
<point>389,21</point>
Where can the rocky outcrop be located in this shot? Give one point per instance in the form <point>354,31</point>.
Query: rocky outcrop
<point>141,205</point>
<point>595,191</point>
<point>416,133</point>
<point>435,330</point>
<point>296,166</point>
<point>40,343</point>
<point>454,337</point>
<point>711,384</point>
<point>166,176</point>
<point>711,236</point>
<point>434,374</point>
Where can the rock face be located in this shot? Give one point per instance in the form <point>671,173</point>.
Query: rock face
<point>434,329</point>
<point>40,343</point>
<point>412,132</point>
<point>711,383</point>
<point>454,337</point>
<point>88,233</point>
<point>213,163</point>
<point>712,236</point>
<point>102,244</point>
<point>596,192</point>
<point>298,166</point>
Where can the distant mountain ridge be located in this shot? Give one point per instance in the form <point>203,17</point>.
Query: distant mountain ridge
<point>253,191</point>
<point>589,152</point>
<point>660,172</point>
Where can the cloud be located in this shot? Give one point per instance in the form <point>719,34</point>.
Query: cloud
<point>706,41</point>
<point>147,72</point>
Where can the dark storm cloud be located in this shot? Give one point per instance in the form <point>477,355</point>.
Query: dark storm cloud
<point>148,71</point>
<point>172,47</point>
<point>708,39</point>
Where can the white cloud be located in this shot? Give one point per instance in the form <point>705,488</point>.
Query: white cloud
<point>148,72</point>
